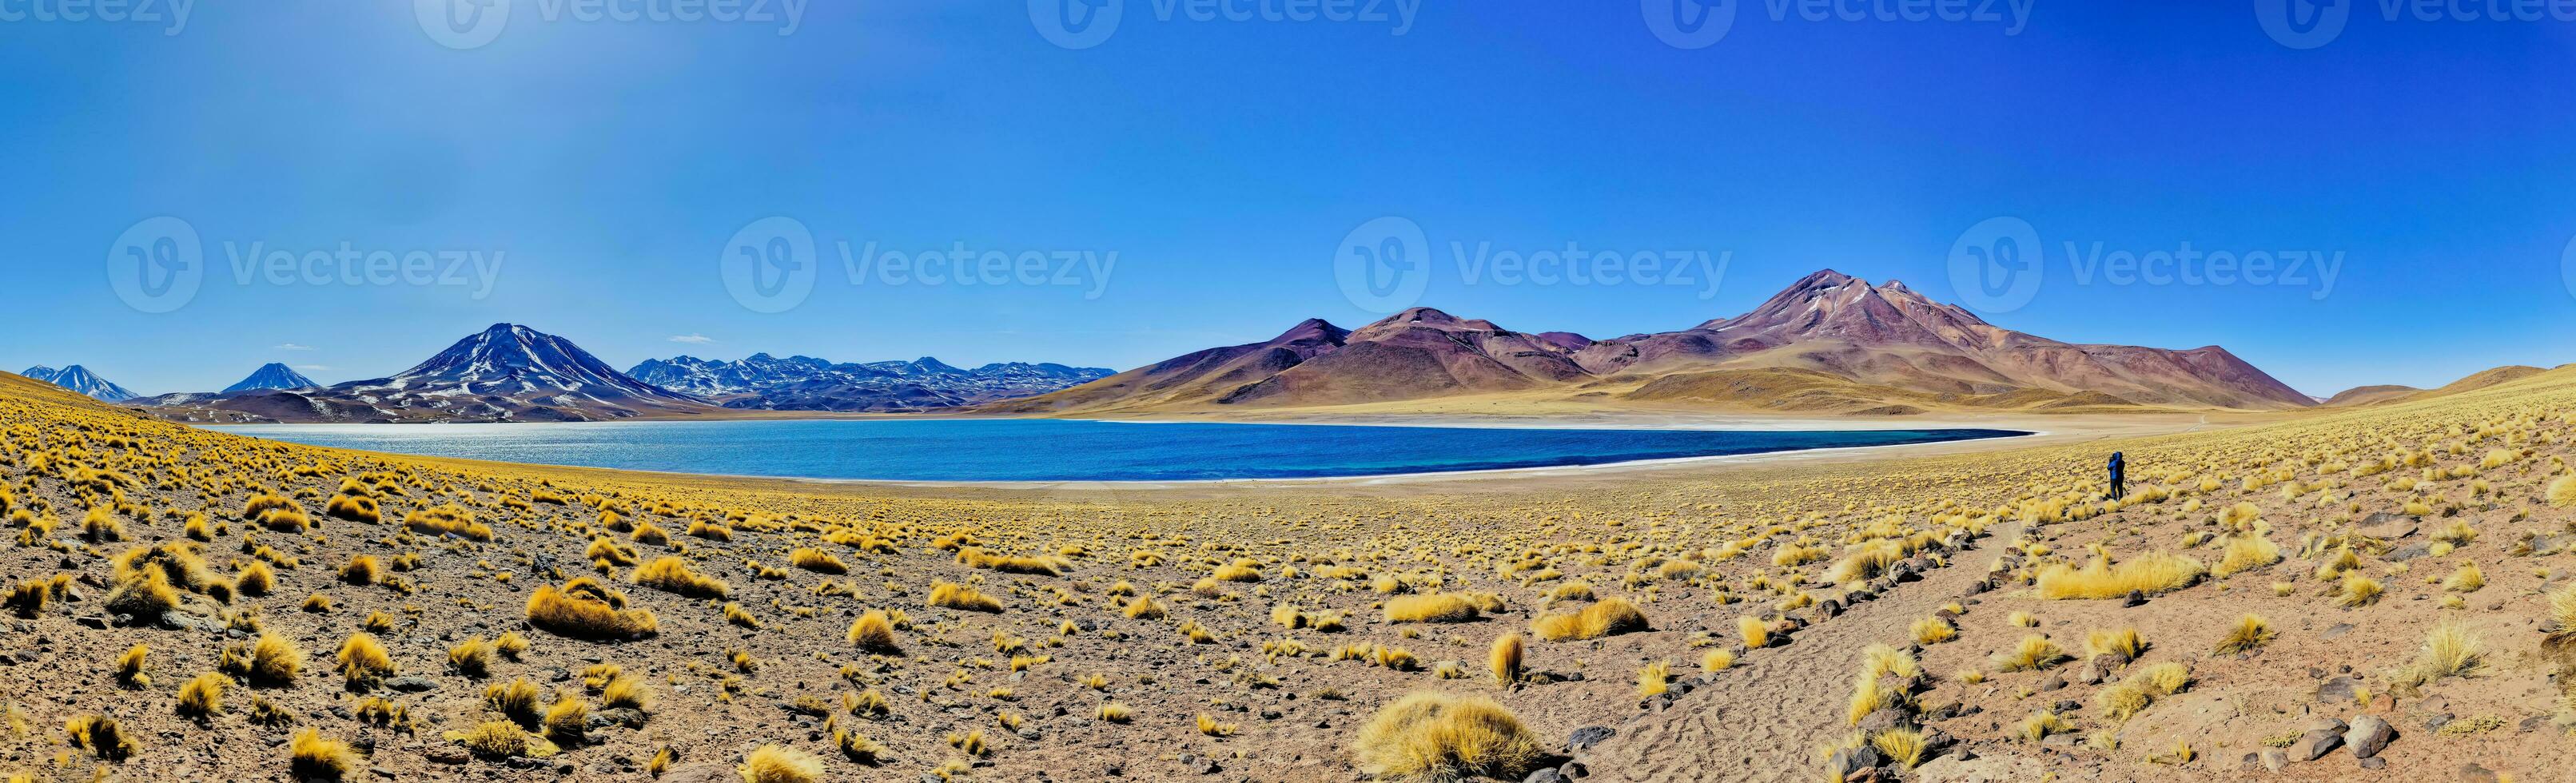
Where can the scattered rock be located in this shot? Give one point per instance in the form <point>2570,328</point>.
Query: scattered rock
<point>2315,745</point>
<point>412,684</point>
<point>2472,773</point>
<point>2369,734</point>
<point>2335,691</point>
<point>1849,761</point>
<point>2274,759</point>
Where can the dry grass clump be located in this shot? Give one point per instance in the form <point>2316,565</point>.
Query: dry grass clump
<point>271,662</point>
<point>874,632</point>
<point>102,736</point>
<point>1238,571</point>
<point>976,557</point>
<point>2152,574</point>
<point>361,570</point>
<point>2562,491</point>
<point>2249,633</point>
<point>2245,553</point>
<point>1934,630</point>
<point>583,608</point>
<point>961,597</point>
<point>472,657</point>
<point>1437,737</point>
<point>255,579</point>
<point>1433,608</point>
<point>2359,591</point>
<point>817,561</point>
<point>1606,618</point>
<point>313,756</point>
<point>1506,659</point>
<point>447,520</point>
<point>2134,695</point>
<point>203,697</point>
<point>2449,651</point>
<point>517,700</point>
<point>672,574</point>
<point>364,661</point>
<point>2122,644</point>
<point>2032,653</point>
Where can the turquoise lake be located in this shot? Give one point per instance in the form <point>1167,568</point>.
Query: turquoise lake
<point>1062,450</point>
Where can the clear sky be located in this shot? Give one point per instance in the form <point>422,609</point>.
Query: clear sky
<point>601,170</point>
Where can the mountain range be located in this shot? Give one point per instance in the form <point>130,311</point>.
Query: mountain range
<point>80,379</point>
<point>765,382</point>
<point>1829,343</point>
<point>513,373</point>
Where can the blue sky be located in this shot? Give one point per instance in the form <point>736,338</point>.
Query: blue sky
<point>604,168</point>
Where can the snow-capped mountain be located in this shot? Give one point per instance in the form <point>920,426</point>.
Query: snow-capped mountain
<point>272,376</point>
<point>505,373</point>
<point>514,360</point>
<point>766,382</point>
<point>80,379</point>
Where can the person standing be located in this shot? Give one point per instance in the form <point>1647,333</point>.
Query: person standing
<point>2119,477</point>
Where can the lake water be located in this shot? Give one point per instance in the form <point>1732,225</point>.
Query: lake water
<point>1059,450</point>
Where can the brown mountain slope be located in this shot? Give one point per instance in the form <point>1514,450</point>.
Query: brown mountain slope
<point>1889,335</point>
<point>1829,343</point>
<point>2367,395</point>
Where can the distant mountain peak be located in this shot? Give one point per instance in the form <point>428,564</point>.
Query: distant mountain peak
<point>79,379</point>
<point>272,376</point>
<point>513,360</point>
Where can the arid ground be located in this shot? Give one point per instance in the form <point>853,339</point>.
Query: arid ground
<point>2274,592</point>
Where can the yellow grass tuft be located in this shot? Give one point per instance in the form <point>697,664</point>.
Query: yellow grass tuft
<point>2359,591</point>
<point>364,661</point>
<point>584,609</point>
<point>2250,632</point>
<point>313,756</point>
<point>2152,574</point>
<point>961,597</point>
<point>203,697</point>
<point>1606,618</point>
<point>2245,553</point>
<point>1437,737</point>
<point>1433,608</point>
<point>874,632</point>
<point>2032,653</point>
<point>817,561</point>
<point>1505,659</point>
<point>672,574</point>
